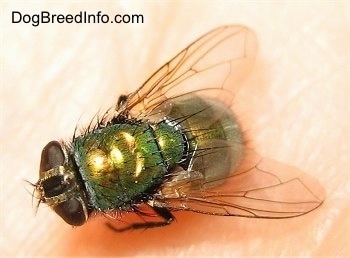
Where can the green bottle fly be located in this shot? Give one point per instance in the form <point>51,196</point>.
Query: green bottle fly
<point>174,144</point>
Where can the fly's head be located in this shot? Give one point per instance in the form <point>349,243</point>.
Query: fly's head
<point>59,187</point>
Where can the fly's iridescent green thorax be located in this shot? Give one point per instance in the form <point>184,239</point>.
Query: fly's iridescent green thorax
<point>120,162</point>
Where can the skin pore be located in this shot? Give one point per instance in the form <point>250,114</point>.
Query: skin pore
<point>294,106</point>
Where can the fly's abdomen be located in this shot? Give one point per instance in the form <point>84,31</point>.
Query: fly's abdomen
<point>119,163</point>
<point>214,136</point>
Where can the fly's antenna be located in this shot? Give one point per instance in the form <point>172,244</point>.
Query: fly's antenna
<point>32,193</point>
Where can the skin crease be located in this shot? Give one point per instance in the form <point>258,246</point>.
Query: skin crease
<point>295,105</point>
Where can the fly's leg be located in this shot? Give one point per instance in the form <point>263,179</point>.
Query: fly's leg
<point>161,211</point>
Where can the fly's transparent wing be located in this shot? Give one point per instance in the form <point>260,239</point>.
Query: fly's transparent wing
<point>217,63</point>
<point>260,188</point>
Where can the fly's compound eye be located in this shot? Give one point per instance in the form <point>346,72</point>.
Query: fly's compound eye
<point>52,177</point>
<point>58,186</point>
<point>72,211</point>
<point>51,156</point>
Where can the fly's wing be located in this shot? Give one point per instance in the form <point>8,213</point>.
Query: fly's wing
<point>215,63</point>
<point>260,188</point>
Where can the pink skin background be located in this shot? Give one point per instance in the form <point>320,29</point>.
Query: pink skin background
<point>295,105</point>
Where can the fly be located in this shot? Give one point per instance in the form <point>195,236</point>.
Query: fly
<point>174,144</point>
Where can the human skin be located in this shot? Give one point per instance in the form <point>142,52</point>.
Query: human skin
<point>294,107</point>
